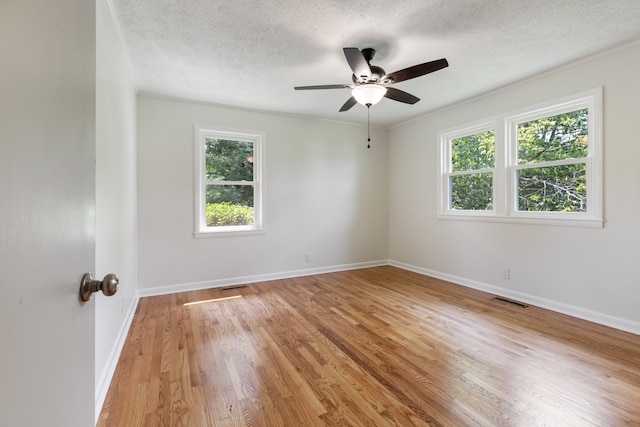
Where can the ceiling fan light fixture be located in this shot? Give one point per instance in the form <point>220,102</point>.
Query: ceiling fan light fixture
<point>368,94</point>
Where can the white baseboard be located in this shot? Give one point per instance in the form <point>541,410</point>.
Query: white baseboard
<point>219,283</point>
<point>571,310</point>
<point>102,387</point>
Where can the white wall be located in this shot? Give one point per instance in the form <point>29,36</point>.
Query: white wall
<point>592,273</point>
<point>116,215</point>
<point>326,195</point>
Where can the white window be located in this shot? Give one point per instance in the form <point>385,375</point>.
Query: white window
<point>229,181</point>
<point>470,168</point>
<point>539,165</point>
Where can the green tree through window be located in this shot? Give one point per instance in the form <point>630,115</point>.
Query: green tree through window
<point>550,183</point>
<point>229,188</point>
<point>229,182</point>
<point>539,165</point>
<point>473,159</point>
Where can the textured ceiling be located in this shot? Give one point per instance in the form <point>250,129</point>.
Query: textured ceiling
<point>251,53</point>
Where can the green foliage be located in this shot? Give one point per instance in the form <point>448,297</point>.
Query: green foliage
<point>236,194</point>
<point>469,153</point>
<point>554,188</point>
<point>473,152</point>
<point>472,192</point>
<point>564,136</point>
<point>225,214</point>
<point>228,160</point>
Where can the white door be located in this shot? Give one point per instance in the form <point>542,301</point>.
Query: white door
<point>47,204</point>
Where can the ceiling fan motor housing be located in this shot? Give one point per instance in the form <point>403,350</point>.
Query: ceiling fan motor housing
<point>377,73</point>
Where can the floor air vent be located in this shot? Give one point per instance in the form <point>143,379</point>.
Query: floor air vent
<point>510,301</point>
<point>230,288</point>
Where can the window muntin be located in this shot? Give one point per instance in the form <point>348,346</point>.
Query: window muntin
<point>229,183</point>
<point>548,165</point>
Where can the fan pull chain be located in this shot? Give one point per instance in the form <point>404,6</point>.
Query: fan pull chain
<point>368,125</point>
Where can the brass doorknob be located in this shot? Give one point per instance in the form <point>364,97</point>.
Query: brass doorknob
<point>88,285</point>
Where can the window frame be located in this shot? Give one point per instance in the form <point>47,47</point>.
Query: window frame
<point>447,173</point>
<point>505,185</point>
<point>258,138</point>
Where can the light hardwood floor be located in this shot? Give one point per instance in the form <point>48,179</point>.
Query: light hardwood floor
<point>371,347</point>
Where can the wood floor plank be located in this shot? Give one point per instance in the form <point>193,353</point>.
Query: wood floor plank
<point>371,347</point>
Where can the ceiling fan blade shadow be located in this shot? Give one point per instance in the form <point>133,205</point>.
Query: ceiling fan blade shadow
<point>357,62</point>
<point>343,86</point>
<point>347,105</point>
<point>400,96</point>
<point>417,70</point>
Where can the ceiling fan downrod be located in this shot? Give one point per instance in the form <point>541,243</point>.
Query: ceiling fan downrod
<point>368,125</point>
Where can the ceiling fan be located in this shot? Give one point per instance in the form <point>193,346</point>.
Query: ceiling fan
<point>371,83</point>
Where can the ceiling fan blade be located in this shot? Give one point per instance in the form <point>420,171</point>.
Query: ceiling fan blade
<point>347,105</point>
<point>401,96</point>
<point>344,86</point>
<point>417,70</point>
<point>357,62</point>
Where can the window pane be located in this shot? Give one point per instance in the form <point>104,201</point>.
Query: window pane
<point>473,152</point>
<point>472,192</point>
<point>556,188</point>
<point>229,205</point>
<point>564,136</point>
<point>227,160</point>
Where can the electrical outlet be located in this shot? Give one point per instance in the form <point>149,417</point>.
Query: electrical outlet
<point>506,273</point>
<point>307,257</point>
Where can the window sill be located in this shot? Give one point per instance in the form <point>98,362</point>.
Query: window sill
<point>229,232</point>
<point>560,222</point>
